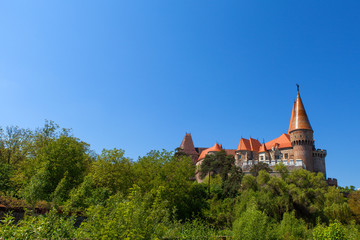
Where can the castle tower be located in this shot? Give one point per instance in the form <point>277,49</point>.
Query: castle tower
<point>188,147</point>
<point>301,134</point>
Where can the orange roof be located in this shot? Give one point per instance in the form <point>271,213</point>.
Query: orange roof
<point>281,142</point>
<point>263,148</point>
<point>300,119</point>
<point>230,151</point>
<point>292,117</point>
<point>249,145</point>
<point>215,148</point>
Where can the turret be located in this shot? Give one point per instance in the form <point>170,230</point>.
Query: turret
<point>301,134</point>
<point>187,146</point>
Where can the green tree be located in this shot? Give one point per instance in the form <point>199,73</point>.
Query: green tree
<point>354,204</point>
<point>335,206</point>
<point>137,216</point>
<point>256,168</point>
<point>114,171</point>
<point>14,144</point>
<point>86,195</point>
<point>253,224</point>
<point>6,172</point>
<point>334,231</point>
<point>307,192</point>
<point>223,165</point>
<point>64,158</point>
<point>292,228</point>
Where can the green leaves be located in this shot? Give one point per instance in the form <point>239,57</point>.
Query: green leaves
<point>63,163</point>
<point>137,216</point>
<point>113,171</point>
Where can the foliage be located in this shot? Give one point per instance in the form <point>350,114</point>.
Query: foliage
<point>6,171</point>
<point>336,230</point>
<point>256,168</point>
<point>219,163</point>
<point>292,228</point>
<point>156,196</point>
<point>86,195</point>
<point>49,226</point>
<point>253,224</point>
<point>113,171</point>
<point>336,207</point>
<point>134,217</point>
<point>63,161</point>
<point>196,229</point>
<point>220,212</point>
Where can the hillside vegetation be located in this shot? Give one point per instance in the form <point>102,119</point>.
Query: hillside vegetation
<point>156,197</point>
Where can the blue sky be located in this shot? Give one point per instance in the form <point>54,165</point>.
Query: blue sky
<point>137,75</point>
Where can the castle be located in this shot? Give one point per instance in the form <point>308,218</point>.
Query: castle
<point>295,149</point>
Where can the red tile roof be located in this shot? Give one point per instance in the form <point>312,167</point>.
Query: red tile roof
<point>249,145</point>
<point>263,148</point>
<point>230,151</point>
<point>283,142</point>
<point>215,148</point>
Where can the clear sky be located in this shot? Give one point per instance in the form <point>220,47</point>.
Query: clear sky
<point>138,75</point>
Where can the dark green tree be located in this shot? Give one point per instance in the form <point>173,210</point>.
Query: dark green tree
<point>256,168</point>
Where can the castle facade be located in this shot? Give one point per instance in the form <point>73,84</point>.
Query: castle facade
<point>295,149</point>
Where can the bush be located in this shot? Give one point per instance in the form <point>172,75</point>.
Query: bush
<point>253,224</point>
<point>291,227</point>
<point>135,217</point>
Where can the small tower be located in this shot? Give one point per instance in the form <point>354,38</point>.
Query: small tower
<point>187,146</point>
<point>301,134</point>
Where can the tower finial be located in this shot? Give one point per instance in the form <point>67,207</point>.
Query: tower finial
<point>297,85</point>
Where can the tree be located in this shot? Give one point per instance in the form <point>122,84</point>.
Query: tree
<point>64,158</point>
<point>252,224</point>
<point>335,206</point>
<point>224,165</point>
<point>179,152</point>
<point>291,227</point>
<point>307,192</point>
<point>14,144</point>
<point>114,171</point>
<point>354,204</point>
<point>256,168</point>
<point>6,172</point>
<point>138,216</point>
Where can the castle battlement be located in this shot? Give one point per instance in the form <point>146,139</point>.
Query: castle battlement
<point>319,153</point>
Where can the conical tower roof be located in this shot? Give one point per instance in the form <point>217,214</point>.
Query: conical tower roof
<point>187,145</point>
<point>299,119</point>
<point>292,117</point>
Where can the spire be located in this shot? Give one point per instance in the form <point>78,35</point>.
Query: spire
<point>187,144</point>
<point>299,119</point>
<point>292,117</point>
